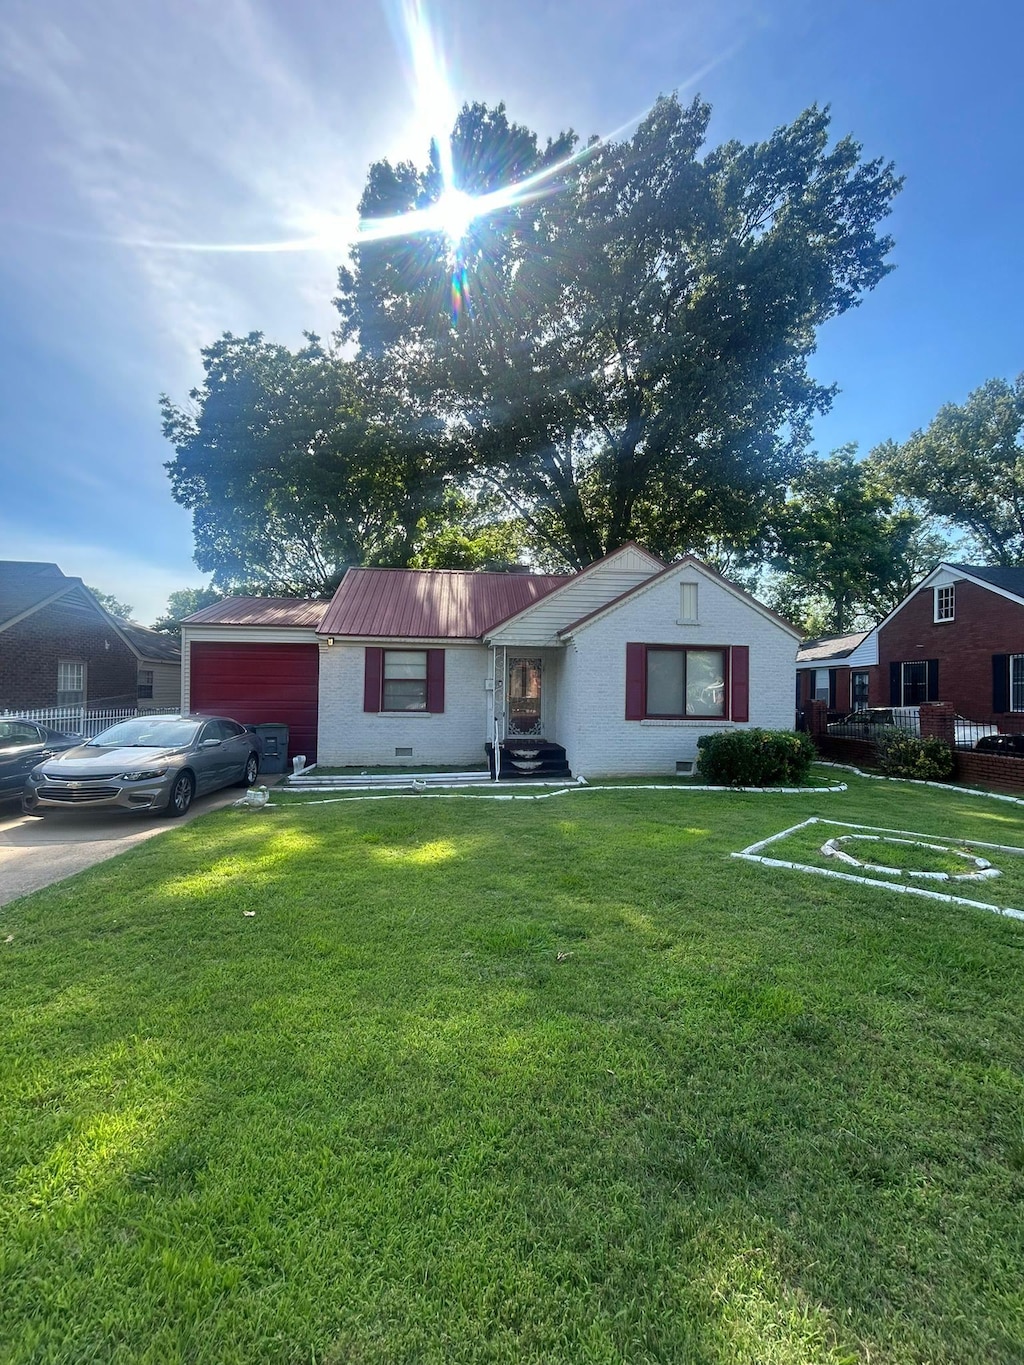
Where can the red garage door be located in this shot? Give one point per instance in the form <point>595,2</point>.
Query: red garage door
<point>256,683</point>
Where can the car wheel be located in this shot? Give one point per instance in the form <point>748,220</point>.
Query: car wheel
<point>182,792</point>
<point>252,771</point>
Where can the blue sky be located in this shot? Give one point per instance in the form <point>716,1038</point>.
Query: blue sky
<point>137,122</point>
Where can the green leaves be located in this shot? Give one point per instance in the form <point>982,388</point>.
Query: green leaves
<point>967,467</point>
<point>631,358</point>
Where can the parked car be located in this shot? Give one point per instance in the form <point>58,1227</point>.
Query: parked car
<point>22,744</point>
<point>148,763</point>
<point>1001,744</point>
<point>866,723</point>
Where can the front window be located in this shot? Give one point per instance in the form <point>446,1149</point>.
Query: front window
<point>147,734</point>
<point>405,680</point>
<point>945,603</point>
<point>145,684</point>
<point>685,682</point>
<point>1017,682</point>
<point>70,683</point>
<point>859,687</point>
<point>915,683</point>
<point>821,687</point>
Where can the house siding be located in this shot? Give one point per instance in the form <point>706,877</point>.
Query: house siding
<point>352,737</point>
<point>986,623</point>
<point>31,649</point>
<point>166,686</point>
<point>539,625</point>
<point>600,742</point>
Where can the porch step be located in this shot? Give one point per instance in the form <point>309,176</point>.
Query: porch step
<point>363,781</point>
<point>529,758</point>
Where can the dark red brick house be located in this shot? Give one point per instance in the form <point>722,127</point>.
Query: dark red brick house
<point>959,638</point>
<point>58,647</point>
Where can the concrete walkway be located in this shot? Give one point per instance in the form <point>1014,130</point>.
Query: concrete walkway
<point>38,850</point>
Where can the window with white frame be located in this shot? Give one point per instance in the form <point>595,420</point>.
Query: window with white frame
<point>821,687</point>
<point>70,683</point>
<point>145,684</point>
<point>405,680</point>
<point>945,603</point>
<point>1017,682</point>
<point>687,602</point>
<point>860,684</point>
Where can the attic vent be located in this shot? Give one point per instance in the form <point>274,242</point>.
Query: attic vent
<point>403,753</point>
<point>684,766</point>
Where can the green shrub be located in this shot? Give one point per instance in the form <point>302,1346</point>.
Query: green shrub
<point>755,758</point>
<point>904,755</point>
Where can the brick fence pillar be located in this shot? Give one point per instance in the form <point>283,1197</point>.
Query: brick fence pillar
<point>938,721</point>
<point>816,717</point>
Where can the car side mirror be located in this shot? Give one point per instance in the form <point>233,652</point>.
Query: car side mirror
<point>209,744</point>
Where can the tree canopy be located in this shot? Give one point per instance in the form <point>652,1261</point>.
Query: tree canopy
<point>185,602</point>
<point>967,467</point>
<point>627,352</point>
<point>293,469</point>
<point>111,604</point>
<point>848,548</point>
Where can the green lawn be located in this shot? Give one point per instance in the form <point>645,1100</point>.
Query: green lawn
<point>553,1081</point>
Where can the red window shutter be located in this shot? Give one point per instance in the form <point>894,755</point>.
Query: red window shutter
<point>636,681</point>
<point>372,677</point>
<point>740,682</point>
<point>435,680</point>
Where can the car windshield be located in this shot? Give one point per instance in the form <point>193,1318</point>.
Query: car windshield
<point>147,734</point>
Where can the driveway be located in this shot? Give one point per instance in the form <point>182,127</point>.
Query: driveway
<point>37,850</point>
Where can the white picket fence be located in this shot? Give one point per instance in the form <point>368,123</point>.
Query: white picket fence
<point>82,720</point>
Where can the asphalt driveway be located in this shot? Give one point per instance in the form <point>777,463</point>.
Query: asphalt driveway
<point>37,850</point>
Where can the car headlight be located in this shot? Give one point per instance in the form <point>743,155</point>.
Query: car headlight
<point>142,775</point>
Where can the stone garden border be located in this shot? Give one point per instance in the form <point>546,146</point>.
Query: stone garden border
<point>753,853</point>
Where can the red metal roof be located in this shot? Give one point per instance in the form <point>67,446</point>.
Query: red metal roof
<point>260,611</point>
<point>436,604</point>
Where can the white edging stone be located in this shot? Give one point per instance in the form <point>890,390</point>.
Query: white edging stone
<point>752,854</point>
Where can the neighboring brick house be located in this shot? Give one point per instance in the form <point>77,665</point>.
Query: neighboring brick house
<point>617,669</point>
<point>58,647</point>
<point>959,638</point>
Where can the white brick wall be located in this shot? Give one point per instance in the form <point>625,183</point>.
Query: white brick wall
<point>350,736</point>
<point>598,739</point>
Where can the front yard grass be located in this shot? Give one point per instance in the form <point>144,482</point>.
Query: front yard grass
<point>553,1081</point>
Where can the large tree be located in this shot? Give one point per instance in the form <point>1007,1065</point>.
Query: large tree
<point>967,467</point>
<point>848,548</point>
<point>624,355</point>
<point>185,602</point>
<point>111,604</point>
<point>293,468</point>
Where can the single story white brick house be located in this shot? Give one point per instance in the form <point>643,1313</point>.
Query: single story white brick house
<point>618,669</point>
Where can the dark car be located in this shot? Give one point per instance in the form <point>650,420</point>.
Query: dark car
<point>156,763</point>
<point>23,743</point>
<point>1001,744</point>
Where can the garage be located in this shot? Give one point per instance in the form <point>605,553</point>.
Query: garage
<point>254,683</point>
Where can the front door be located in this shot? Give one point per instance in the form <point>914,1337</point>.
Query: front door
<point>524,696</point>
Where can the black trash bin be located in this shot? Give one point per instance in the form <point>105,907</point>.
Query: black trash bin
<point>275,747</point>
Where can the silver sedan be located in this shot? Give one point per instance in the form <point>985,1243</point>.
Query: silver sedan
<point>149,763</point>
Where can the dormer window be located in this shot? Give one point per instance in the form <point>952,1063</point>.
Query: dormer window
<point>945,603</point>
